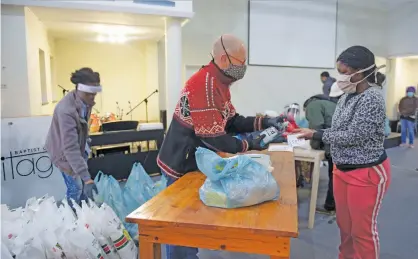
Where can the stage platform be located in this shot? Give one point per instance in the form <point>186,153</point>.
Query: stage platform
<point>393,140</point>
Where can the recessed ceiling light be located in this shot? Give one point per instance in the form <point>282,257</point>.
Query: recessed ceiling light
<point>101,38</point>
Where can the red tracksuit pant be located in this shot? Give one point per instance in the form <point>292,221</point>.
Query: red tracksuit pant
<point>358,197</point>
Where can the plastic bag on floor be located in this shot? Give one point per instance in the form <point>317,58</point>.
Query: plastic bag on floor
<point>83,240</point>
<point>133,189</point>
<point>27,244</point>
<point>140,188</point>
<point>50,243</point>
<point>114,229</point>
<point>234,182</point>
<point>5,254</point>
<point>101,181</point>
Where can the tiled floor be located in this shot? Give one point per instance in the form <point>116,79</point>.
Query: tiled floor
<point>398,218</point>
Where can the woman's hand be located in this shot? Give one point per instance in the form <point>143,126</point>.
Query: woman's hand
<point>304,133</point>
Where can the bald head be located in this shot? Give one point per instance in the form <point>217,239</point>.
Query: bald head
<point>229,45</point>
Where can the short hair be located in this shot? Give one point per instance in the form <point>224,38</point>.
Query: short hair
<point>325,74</point>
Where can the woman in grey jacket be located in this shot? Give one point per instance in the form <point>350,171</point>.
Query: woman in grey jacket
<point>66,142</point>
<point>362,169</point>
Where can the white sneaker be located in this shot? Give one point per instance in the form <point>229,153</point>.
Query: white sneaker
<point>403,145</point>
<point>411,146</point>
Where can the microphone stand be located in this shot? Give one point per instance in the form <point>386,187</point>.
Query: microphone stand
<point>63,90</point>
<point>130,107</point>
<point>146,105</point>
<point>118,114</point>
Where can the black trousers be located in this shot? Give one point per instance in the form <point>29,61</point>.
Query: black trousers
<point>329,201</point>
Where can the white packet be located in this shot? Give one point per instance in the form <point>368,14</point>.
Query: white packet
<point>83,239</point>
<point>5,253</point>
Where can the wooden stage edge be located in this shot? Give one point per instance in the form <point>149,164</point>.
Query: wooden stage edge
<point>393,140</point>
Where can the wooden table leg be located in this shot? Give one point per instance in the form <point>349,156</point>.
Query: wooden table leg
<point>314,192</point>
<point>148,250</point>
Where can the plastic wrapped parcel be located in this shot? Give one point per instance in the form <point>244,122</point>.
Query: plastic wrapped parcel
<point>234,182</point>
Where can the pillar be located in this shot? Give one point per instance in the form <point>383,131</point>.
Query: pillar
<point>173,66</point>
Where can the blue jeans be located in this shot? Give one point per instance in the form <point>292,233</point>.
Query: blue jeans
<point>75,189</point>
<point>179,252</point>
<point>407,127</point>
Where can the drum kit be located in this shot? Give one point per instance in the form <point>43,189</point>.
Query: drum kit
<point>96,120</point>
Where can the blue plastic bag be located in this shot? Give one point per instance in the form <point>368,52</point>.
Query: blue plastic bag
<point>132,191</point>
<point>101,182</point>
<point>234,182</point>
<point>140,188</point>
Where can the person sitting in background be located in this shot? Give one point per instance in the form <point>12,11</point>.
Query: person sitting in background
<point>319,110</point>
<point>66,142</point>
<point>327,80</point>
<point>205,117</point>
<point>407,108</point>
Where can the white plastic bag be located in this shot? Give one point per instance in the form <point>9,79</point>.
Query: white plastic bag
<point>50,244</point>
<point>91,218</point>
<point>83,240</point>
<point>5,253</point>
<point>122,242</point>
<point>114,229</point>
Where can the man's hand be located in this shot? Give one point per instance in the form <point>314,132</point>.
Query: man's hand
<point>275,121</point>
<point>255,143</point>
<point>89,182</point>
<point>89,186</point>
<point>304,133</point>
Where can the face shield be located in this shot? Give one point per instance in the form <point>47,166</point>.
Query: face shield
<point>293,111</point>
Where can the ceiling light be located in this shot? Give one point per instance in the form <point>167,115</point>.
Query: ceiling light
<point>121,39</point>
<point>101,38</point>
<point>115,29</point>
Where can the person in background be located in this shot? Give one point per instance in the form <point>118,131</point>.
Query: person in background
<point>407,108</point>
<point>362,169</point>
<point>319,110</point>
<point>205,117</point>
<point>327,82</point>
<point>66,142</point>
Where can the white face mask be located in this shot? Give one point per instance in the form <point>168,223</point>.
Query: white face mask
<point>345,84</point>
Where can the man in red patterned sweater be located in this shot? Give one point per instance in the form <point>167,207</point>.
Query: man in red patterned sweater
<point>205,117</point>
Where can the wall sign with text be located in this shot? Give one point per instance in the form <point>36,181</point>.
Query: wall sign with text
<point>26,170</point>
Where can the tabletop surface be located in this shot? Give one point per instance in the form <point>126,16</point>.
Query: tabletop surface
<point>181,206</point>
<point>301,152</point>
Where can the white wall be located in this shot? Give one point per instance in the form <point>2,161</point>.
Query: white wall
<point>15,100</point>
<point>123,69</point>
<point>273,87</point>
<point>402,30</point>
<point>152,79</point>
<point>37,38</point>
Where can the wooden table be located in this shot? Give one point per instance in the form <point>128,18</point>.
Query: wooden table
<point>177,216</point>
<point>315,156</point>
